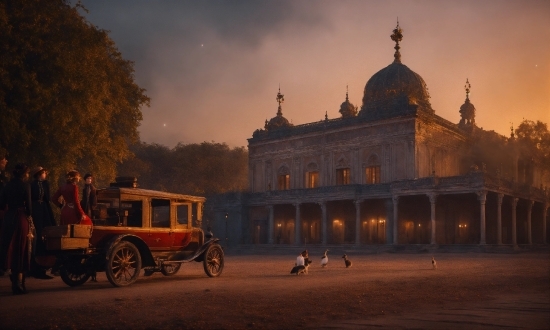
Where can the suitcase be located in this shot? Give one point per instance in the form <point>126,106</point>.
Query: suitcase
<point>67,237</point>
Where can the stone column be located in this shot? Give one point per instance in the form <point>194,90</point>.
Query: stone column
<point>433,199</point>
<point>323,222</point>
<point>270,224</point>
<point>482,197</point>
<point>514,231</point>
<point>357,222</point>
<point>529,231</point>
<point>499,219</point>
<point>395,219</point>
<point>544,215</point>
<point>297,226</point>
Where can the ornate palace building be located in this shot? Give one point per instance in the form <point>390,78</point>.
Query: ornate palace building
<point>393,172</point>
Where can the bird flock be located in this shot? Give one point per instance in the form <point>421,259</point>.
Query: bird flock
<point>303,261</point>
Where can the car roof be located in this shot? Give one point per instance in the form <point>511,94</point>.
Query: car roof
<point>154,194</point>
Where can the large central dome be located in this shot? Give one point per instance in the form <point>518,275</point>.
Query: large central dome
<point>395,88</point>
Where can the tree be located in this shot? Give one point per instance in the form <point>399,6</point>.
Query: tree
<point>533,139</point>
<point>196,169</point>
<point>67,97</point>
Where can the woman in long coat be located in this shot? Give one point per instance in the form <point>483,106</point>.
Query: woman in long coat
<point>16,242</point>
<point>71,212</point>
<point>42,216</point>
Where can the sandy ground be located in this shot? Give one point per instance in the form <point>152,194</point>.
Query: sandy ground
<point>380,291</point>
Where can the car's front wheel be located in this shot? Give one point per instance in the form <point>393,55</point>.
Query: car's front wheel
<point>213,260</point>
<point>123,264</point>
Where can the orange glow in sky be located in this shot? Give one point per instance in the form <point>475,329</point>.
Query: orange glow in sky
<point>213,69</point>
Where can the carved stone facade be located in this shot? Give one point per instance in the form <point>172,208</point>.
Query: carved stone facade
<point>394,173</point>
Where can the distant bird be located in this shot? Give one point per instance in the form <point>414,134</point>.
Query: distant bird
<point>324,259</point>
<point>347,261</point>
<point>434,263</point>
<point>301,269</point>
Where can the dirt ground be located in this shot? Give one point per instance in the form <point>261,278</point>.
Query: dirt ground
<point>379,291</point>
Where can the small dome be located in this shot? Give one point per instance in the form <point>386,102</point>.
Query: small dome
<point>347,109</point>
<point>277,122</point>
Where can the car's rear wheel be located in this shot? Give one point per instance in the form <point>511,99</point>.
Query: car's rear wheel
<point>213,260</point>
<point>170,269</point>
<point>123,264</point>
<point>74,275</point>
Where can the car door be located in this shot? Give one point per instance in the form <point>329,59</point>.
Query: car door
<point>160,232</point>
<point>182,233</point>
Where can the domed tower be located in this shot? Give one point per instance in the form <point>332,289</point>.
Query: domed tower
<point>396,89</point>
<point>467,111</point>
<point>278,121</point>
<point>347,109</point>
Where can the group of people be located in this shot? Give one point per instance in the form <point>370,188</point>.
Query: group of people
<point>25,210</point>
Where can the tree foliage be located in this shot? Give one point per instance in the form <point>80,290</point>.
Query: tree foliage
<point>67,97</point>
<point>196,169</point>
<point>533,140</point>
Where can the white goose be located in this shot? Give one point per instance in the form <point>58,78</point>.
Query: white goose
<point>324,259</point>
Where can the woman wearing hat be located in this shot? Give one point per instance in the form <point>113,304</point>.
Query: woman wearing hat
<point>16,242</point>
<point>42,216</point>
<point>71,212</point>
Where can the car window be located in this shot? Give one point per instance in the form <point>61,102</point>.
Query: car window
<point>160,213</point>
<point>183,214</point>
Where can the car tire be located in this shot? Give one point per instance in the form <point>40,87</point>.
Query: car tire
<point>213,260</point>
<point>123,264</point>
<point>73,276</point>
<point>170,269</point>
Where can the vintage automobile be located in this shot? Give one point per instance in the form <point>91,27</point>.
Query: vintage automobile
<point>134,229</point>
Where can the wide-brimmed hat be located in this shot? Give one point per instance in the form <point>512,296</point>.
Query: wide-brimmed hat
<point>38,170</point>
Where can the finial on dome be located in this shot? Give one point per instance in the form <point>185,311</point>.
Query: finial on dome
<point>467,88</point>
<point>397,36</point>
<point>347,90</point>
<point>326,115</point>
<point>512,130</point>
<point>280,99</point>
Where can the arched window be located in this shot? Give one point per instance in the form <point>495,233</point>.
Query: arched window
<point>372,170</point>
<point>312,176</point>
<point>283,178</point>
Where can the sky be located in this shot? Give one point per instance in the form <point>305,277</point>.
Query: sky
<point>213,68</point>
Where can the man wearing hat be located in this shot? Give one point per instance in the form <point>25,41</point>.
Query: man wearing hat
<point>42,215</point>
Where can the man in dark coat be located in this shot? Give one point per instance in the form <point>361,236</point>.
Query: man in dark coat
<point>89,197</point>
<point>42,216</point>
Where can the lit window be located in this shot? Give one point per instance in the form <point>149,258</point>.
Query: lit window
<point>284,182</point>
<point>372,174</point>
<point>342,176</point>
<point>312,179</point>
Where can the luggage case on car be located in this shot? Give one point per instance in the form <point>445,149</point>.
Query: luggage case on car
<point>67,237</point>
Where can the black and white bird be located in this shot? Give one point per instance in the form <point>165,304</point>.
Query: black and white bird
<point>301,269</point>
<point>347,261</point>
<point>434,263</point>
<point>324,259</point>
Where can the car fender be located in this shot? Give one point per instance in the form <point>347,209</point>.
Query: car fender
<point>147,259</point>
<point>200,252</point>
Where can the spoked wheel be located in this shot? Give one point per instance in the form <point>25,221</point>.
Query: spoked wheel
<point>213,260</point>
<point>74,275</point>
<point>123,264</point>
<point>170,269</point>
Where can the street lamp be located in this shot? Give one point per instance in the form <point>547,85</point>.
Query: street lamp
<point>226,216</point>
